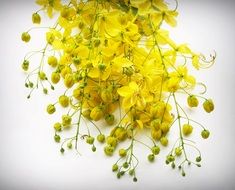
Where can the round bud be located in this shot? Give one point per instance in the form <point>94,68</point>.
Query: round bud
<point>156,134</point>
<point>25,65</point>
<point>57,126</point>
<point>187,129</point>
<point>66,121</point>
<point>192,101</point>
<point>52,61</point>
<point>122,152</point>
<point>151,157</point>
<point>115,168</point>
<point>102,67</point>
<point>42,75</point>
<point>86,113</point>
<point>36,19</point>
<point>208,106</point>
<point>155,150</point>
<point>131,172</point>
<point>125,165</point>
<point>173,165</point>
<point>25,37</point>
<point>178,151</point>
<point>198,159</point>
<point>93,148</point>
<point>170,158</point>
<point>90,140</point>
<point>135,179</point>
<point>96,113</point>
<point>45,91</point>
<point>55,77</point>
<point>101,138</point>
<point>106,96</point>
<point>77,60</point>
<point>164,141</point>
<point>51,109</point>
<point>205,134</point>
<point>68,80</point>
<point>112,141</point>
<point>69,145</point>
<point>64,101</point>
<point>57,138</point>
<point>109,119</point>
<point>155,124</point>
<point>108,150</point>
<point>62,150</point>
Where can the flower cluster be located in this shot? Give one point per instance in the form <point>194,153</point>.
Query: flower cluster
<point>115,55</point>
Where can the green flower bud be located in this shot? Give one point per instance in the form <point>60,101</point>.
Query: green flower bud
<point>55,77</point>
<point>69,145</point>
<point>57,138</point>
<point>151,157</point>
<point>77,60</point>
<point>25,65</point>
<point>155,150</point>
<point>45,91</point>
<point>192,101</point>
<point>198,159</point>
<point>125,165</point>
<point>178,151</point>
<point>122,152</point>
<point>93,148</point>
<point>208,106</point>
<point>25,37</point>
<point>64,101</point>
<point>101,138</point>
<point>131,172</point>
<point>90,140</point>
<point>112,141</point>
<point>135,179</point>
<point>115,168</point>
<point>52,61</point>
<point>51,109</point>
<point>66,121</point>
<point>62,150</point>
<point>102,67</point>
<point>42,75</point>
<point>205,134</point>
<point>109,119</point>
<point>108,150</point>
<point>57,126</point>
<point>164,141</point>
<point>187,129</point>
<point>36,19</point>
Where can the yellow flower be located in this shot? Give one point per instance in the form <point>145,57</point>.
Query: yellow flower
<point>50,5</point>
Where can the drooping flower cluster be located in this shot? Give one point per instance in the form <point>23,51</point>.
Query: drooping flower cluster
<point>115,55</point>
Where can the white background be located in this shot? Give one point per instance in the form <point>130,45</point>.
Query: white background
<point>29,158</point>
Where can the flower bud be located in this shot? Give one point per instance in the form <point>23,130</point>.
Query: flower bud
<point>25,65</point>
<point>51,109</point>
<point>57,126</point>
<point>208,106</point>
<point>42,75</point>
<point>151,157</point>
<point>178,151</point>
<point>187,129</point>
<point>57,138</point>
<point>108,150</point>
<point>192,101</point>
<point>64,101</point>
<point>122,152</point>
<point>112,141</point>
<point>101,138</point>
<point>55,77</point>
<point>66,121</point>
<point>205,134</point>
<point>109,119</point>
<point>68,80</point>
<point>52,61</point>
<point>155,150</point>
<point>156,134</point>
<point>36,19</point>
<point>90,140</point>
<point>25,37</point>
<point>115,168</point>
<point>96,113</point>
<point>164,141</point>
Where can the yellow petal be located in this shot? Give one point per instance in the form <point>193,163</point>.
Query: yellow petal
<point>140,124</point>
<point>134,87</point>
<point>94,73</point>
<point>125,91</point>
